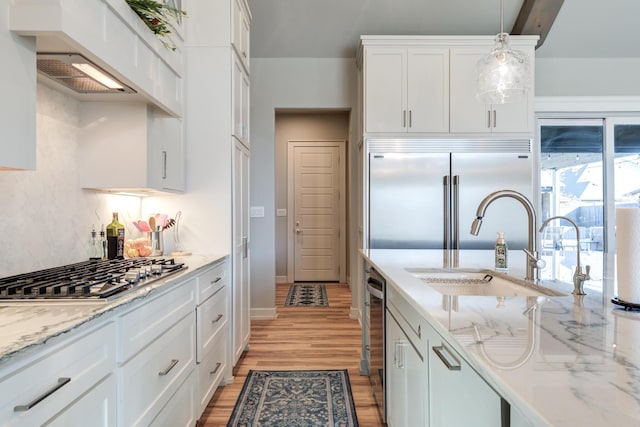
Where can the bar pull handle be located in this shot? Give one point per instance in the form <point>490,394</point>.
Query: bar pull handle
<point>455,200</point>
<point>215,369</point>
<point>489,118</point>
<point>61,383</point>
<point>173,363</point>
<point>404,118</point>
<point>164,165</point>
<point>217,279</point>
<point>446,240</point>
<point>451,362</point>
<point>495,118</point>
<point>410,119</point>
<point>245,249</point>
<point>217,319</point>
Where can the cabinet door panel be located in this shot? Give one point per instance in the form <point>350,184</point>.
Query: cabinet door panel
<point>468,114</point>
<point>385,83</point>
<point>428,89</point>
<point>98,405</point>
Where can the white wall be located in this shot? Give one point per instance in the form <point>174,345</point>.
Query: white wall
<point>45,217</point>
<point>587,77</point>
<point>280,83</point>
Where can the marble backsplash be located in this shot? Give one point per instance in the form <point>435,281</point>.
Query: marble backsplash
<point>45,216</point>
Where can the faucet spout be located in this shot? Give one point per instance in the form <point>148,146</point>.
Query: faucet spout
<point>532,265</point>
<point>578,276</point>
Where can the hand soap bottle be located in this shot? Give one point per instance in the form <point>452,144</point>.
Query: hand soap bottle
<point>501,253</point>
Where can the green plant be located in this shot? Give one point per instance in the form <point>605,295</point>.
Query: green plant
<point>159,17</point>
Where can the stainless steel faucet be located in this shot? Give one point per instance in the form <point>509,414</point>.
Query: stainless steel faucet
<point>533,262</point>
<point>578,276</point>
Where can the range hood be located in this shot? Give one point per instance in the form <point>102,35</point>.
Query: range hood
<point>77,73</point>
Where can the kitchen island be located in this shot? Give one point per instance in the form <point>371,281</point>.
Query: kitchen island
<point>557,360</point>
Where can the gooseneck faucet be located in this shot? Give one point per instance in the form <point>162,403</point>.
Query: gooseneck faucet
<point>578,276</point>
<point>533,263</point>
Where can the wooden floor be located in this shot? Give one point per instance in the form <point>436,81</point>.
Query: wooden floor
<point>301,338</point>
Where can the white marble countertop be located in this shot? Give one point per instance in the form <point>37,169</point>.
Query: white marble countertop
<point>25,327</point>
<point>562,360</point>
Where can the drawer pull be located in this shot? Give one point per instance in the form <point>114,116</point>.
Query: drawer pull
<point>61,382</point>
<point>452,365</point>
<point>215,369</point>
<point>217,280</point>
<point>173,363</point>
<point>217,319</point>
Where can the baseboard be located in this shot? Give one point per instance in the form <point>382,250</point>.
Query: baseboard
<point>354,313</point>
<point>281,279</point>
<point>264,314</point>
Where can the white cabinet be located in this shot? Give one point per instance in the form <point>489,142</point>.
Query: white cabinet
<point>18,87</point>
<point>241,28</point>
<point>453,385</point>
<point>241,290</point>
<point>129,146</point>
<point>468,114</point>
<point>240,101</point>
<point>406,89</point>
<point>64,383</point>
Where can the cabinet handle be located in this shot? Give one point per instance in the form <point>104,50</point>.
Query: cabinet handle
<point>453,365</point>
<point>216,280</point>
<point>489,118</point>
<point>495,118</point>
<point>215,369</point>
<point>217,319</point>
<point>61,382</point>
<point>404,118</point>
<point>410,120</point>
<point>164,165</point>
<point>173,363</point>
<point>245,243</point>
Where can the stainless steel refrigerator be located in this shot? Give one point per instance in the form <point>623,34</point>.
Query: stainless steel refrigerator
<point>424,195</point>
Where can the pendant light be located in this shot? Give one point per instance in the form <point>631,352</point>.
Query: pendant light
<point>503,75</point>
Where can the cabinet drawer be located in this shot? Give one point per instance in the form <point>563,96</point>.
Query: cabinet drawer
<point>150,319</point>
<point>150,379</point>
<point>211,370</point>
<point>211,280</point>
<point>98,405</point>
<point>406,314</point>
<point>179,411</point>
<point>211,317</point>
<point>83,361</point>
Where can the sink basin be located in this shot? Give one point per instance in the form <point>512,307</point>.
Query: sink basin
<point>479,283</point>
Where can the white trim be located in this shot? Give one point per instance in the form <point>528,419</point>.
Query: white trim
<point>341,144</point>
<point>575,104</point>
<point>355,314</point>
<point>282,279</point>
<point>264,313</point>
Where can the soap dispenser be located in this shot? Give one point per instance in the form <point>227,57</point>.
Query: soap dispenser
<point>501,253</point>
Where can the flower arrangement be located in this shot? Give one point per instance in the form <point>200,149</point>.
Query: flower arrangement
<point>159,17</point>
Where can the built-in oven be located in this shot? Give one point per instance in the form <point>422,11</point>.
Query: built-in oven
<point>375,292</point>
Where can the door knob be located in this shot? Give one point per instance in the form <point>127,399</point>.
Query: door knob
<point>298,231</point>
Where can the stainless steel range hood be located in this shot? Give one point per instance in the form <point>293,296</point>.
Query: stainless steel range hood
<point>77,73</point>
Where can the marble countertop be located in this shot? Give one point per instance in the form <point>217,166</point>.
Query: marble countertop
<point>25,327</point>
<point>561,360</point>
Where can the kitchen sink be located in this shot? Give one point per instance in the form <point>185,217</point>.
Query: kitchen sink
<point>479,283</point>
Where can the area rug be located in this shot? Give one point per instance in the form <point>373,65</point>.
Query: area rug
<point>295,399</point>
<point>307,295</point>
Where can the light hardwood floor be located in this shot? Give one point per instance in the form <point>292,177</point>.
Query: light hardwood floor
<point>301,338</point>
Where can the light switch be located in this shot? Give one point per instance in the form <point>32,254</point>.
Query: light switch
<point>256,212</point>
<point>281,212</point>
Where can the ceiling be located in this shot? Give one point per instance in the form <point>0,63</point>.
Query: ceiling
<point>331,28</point>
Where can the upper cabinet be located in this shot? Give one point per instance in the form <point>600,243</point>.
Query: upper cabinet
<point>18,86</point>
<point>130,147</point>
<point>407,89</point>
<point>427,85</point>
<point>468,114</point>
<point>241,28</point>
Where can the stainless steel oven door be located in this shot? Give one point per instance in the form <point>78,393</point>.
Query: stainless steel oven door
<point>376,289</point>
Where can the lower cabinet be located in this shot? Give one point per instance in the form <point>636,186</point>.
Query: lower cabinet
<point>453,385</point>
<point>406,375</point>
<point>178,412</point>
<point>97,404</point>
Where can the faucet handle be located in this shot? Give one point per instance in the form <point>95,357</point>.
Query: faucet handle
<point>533,259</point>
<point>587,269</point>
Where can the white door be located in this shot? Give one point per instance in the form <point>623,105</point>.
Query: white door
<point>317,183</point>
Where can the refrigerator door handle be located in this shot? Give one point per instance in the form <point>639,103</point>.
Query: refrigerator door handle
<point>446,240</point>
<point>455,201</point>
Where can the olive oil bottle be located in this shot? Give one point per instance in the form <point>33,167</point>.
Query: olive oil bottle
<point>115,239</point>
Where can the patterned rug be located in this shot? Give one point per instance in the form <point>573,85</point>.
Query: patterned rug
<point>307,295</point>
<point>295,399</point>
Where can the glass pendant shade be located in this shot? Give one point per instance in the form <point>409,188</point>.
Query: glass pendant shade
<point>503,75</point>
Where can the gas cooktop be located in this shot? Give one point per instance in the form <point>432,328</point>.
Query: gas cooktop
<point>100,280</point>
